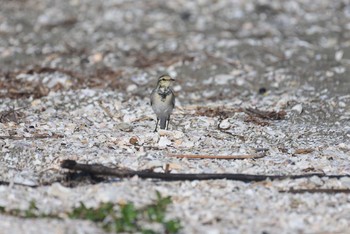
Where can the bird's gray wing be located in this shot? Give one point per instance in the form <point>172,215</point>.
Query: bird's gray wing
<point>173,98</point>
<point>152,94</point>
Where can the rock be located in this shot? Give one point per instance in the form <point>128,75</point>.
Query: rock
<point>59,191</point>
<point>151,138</point>
<point>164,142</point>
<point>316,180</point>
<point>177,88</point>
<point>131,88</point>
<point>345,181</point>
<point>344,146</point>
<point>225,124</point>
<point>54,17</point>
<point>174,166</point>
<point>298,108</point>
<point>223,79</point>
<point>57,79</point>
<point>96,58</point>
<point>88,93</point>
<point>187,144</point>
<point>142,79</point>
<point>342,104</point>
<point>25,178</point>
<point>171,134</point>
<point>107,195</point>
<point>133,140</point>
<point>152,164</point>
<point>338,55</point>
<point>125,127</point>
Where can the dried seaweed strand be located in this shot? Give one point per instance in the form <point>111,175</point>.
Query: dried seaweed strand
<point>98,169</point>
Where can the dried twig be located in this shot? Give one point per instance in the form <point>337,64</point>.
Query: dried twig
<point>242,156</point>
<point>329,191</point>
<point>16,183</point>
<point>38,136</point>
<point>98,169</point>
<point>106,110</point>
<point>11,115</point>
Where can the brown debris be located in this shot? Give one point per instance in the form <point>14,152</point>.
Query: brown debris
<point>105,78</point>
<point>11,115</point>
<point>255,120</point>
<point>15,88</point>
<point>254,115</point>
<point>303,151</point>
<point>25,89</point>
<point>39,70</point>
<point>225,112</point>
<point>270,115</point>
<point>133,140</point>
<point>19,88</point>
<point>308,169</point>
<point>220,111</point>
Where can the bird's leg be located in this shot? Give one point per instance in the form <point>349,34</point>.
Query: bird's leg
<point>156,124</point>
<point>167,125</point>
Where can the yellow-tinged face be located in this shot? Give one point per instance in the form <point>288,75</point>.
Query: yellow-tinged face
<point>165,81</point>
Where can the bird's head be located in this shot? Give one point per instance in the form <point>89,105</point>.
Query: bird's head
<point>165,81</point>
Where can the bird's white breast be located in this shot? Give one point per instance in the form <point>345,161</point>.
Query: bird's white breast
<point>162,106</point>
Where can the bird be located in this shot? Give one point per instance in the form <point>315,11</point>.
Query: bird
<point>163,101</point>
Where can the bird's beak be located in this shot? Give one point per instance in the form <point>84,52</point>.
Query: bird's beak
<point>172,79</point>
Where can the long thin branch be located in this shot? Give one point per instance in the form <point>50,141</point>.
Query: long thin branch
<point>102,170</point>
<point>241,156</point>
<point>328,191</point>
<point>38,136</point>
<point>16,183</point>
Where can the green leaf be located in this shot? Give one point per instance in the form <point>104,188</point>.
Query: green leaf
<point>172,226</point>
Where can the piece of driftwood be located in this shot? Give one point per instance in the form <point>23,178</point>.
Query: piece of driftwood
<point>98,169</point>
<point>242,156</point>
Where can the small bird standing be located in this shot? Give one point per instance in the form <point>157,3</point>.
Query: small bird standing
<point>163,101</point>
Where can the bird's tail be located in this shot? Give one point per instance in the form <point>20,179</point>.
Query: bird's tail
<point>162,123</point>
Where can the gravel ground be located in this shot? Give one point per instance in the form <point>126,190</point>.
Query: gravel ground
<point>75,79</point>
